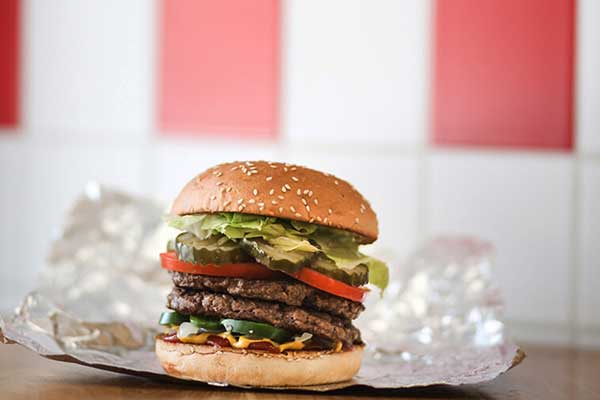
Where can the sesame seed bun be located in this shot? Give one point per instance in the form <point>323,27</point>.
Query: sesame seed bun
<point>208,363</point>
<point>279,190</point>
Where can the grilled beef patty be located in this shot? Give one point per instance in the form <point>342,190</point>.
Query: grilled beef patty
<point>290,292</point>
<point>292,318</point>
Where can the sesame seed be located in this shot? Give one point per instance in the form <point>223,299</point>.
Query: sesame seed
<point>219,183</point>
<point>273,166</point>
<point>255,192</point>
<point>311,220</point>
<point>293,169</point>
<point>294,179</point>
<point>287,186</point>
<point>306,191</point>
<point>292,209</point>
<point>219,173</point>
<point>249,173</point>
<point>213,197</point>
<point>248,163</point>
<point>228,202</point>
<point>271,192</point>
<point>228,189</point>
<point>362,205</point>
<point>298,215</point>
<point>215,172</point>
<point>241,207</point>
<point>222,190</point>
<point>261,204</point>
<point>326,219</point>
<point>251,201</point>
<point>330,211</point>
<point>274,202</point>
<point>362,210</point>
<point>299,192</point>
<point>336,182</point>
<point>356,220</point>
<point>310,193</point>
<point>319,219</point>
<point>285,169</point>
<point>280,197</point>
<point>261,208</point>
<point>240,201</point>
<point>234,168</point>
<point>304,201</point>
<point>283,189</point>
<point>307,208</point>
<point>280,209</point>
<point>269,178</point>
<point>316,202</point>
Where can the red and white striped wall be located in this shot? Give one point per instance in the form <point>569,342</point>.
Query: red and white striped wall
<point>471,116</point>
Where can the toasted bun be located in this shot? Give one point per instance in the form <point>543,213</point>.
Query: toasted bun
<point>259,369</point>
<point>280,190</point>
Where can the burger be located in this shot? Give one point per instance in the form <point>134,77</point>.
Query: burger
<point>267,277</point>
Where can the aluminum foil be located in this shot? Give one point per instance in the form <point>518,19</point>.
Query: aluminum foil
<point>440,321</point>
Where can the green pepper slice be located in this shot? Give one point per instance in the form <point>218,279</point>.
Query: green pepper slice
<point>172,318</point>
<point>257,330</point>
<point>207,324</point>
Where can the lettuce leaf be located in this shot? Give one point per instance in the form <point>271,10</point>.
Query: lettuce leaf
<point>339,246</point>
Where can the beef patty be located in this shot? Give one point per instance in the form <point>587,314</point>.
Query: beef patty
<point>290,292</point>
<point>292,318</point>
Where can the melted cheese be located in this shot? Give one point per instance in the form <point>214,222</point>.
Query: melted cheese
<point>196,339</point>
<point>244,342</point>
<point>338,347</point>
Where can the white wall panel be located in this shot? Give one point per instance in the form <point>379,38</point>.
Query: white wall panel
<point>523,204</point>
<point>13,175</point>
<point>356,71</point>
<point>89,69</point>
<point>588,78</point>
<point>589,239</point>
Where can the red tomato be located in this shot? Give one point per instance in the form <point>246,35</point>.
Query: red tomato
<point>330,285</point>
<point>170,261</point>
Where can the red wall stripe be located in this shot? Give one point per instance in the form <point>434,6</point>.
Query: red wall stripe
<point>9,63</point>
<point>503,73</point>
<point>219,67</point>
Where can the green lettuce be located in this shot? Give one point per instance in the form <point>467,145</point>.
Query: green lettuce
<point>339,246</point>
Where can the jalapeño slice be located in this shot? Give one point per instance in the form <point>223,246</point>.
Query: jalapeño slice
<point>257,330</point>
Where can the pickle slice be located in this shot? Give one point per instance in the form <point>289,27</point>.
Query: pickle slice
<point>357,276</point>
<point>207,324</point>
<point>277,259</point>
<point>214,250</point>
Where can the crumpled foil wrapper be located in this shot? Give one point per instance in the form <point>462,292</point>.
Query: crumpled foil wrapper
<point>440,321</point>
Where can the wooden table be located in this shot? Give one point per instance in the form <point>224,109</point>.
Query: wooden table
<point>547,373</point>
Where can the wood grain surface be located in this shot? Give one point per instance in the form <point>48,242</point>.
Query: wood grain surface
<point>546,373</point>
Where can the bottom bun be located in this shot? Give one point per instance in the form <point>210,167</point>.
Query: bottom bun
<point>209,363</point>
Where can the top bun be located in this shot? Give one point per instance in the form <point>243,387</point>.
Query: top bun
<point>279,190</point>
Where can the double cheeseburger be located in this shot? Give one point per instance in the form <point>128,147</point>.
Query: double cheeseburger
<point>267,277</point>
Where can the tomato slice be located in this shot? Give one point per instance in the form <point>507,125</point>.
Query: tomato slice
<point>170,261</point>
<point>330,285</point>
